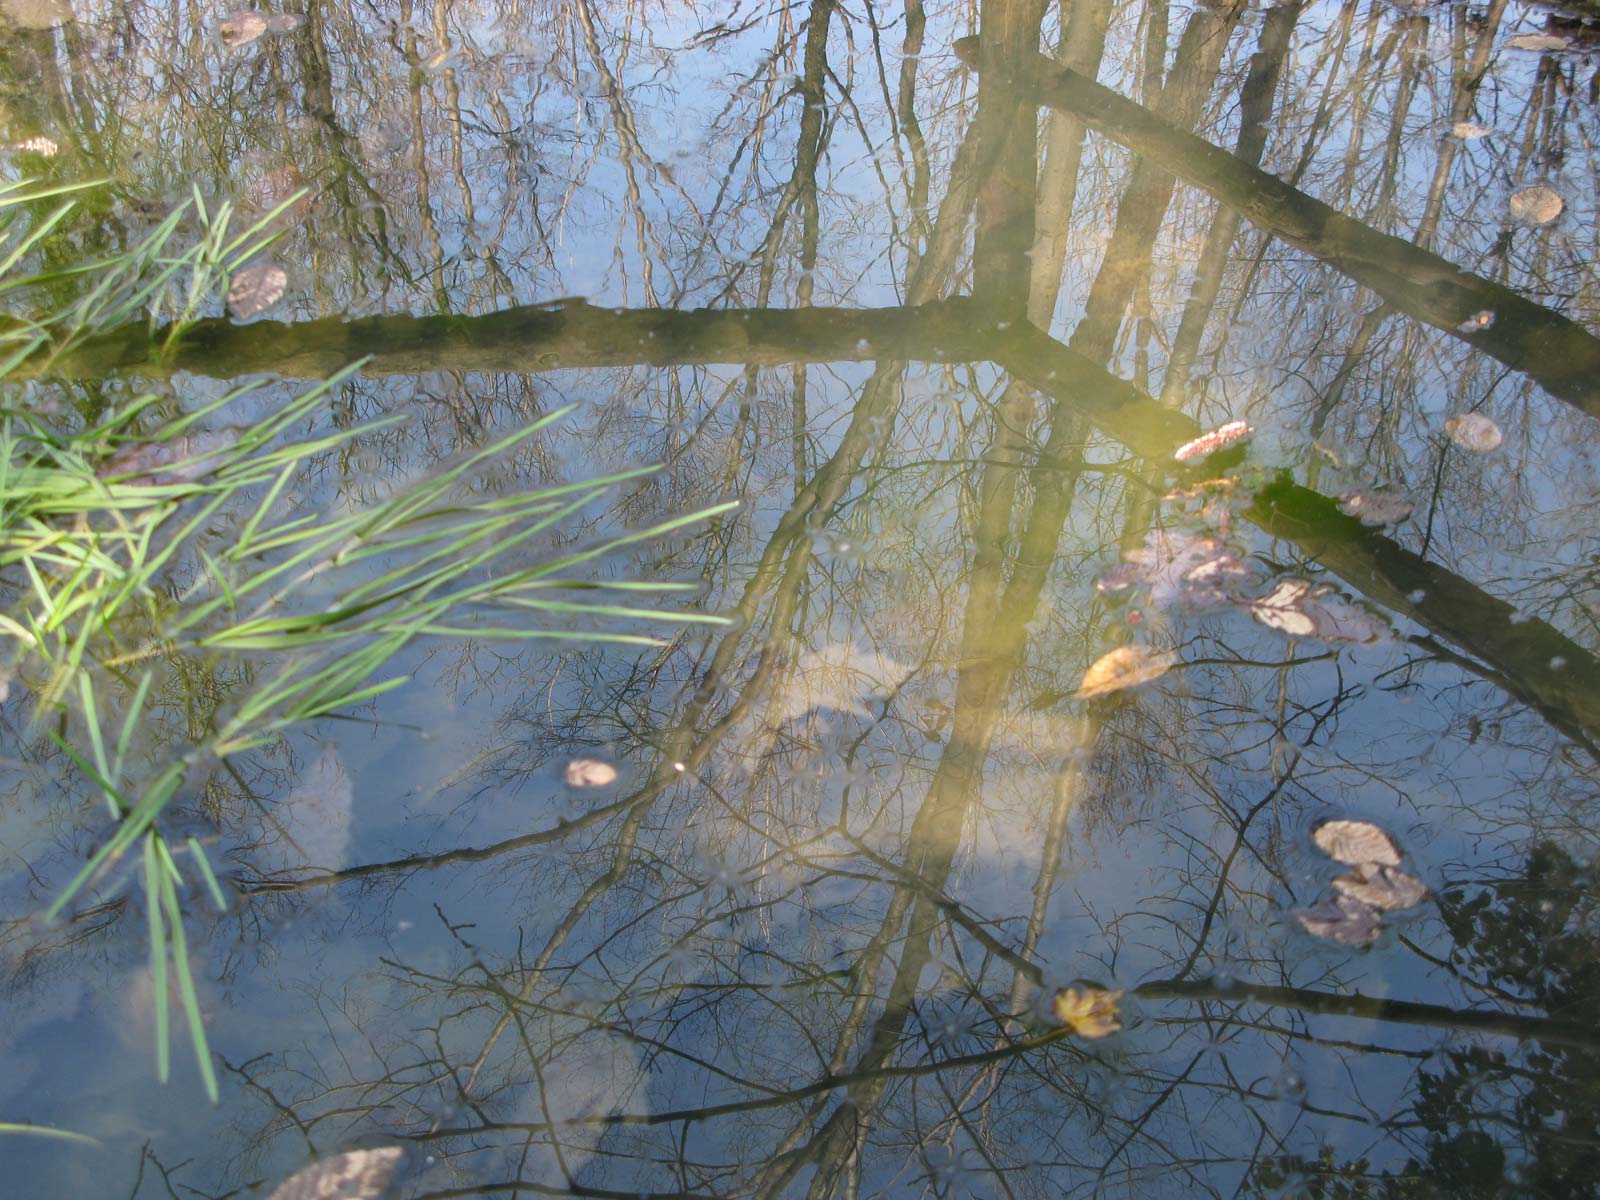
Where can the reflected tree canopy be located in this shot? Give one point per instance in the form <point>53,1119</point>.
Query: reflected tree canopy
<point>937,294</point>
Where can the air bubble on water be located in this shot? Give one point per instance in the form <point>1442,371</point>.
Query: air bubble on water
<point>1002,326</point>
<point>1518,617</point>
<point>839,548</point>
<point>1224,974</point>
<point>680,959</point>
<point>862,345</point>
<point>1557,663</point>
<point>1417,597</point>
<point>946,1168</point>
<point>1289,1083</point>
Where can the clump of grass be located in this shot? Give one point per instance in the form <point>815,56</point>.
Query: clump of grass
<point>132,556</point>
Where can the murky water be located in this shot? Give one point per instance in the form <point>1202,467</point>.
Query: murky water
<point>783,907</point>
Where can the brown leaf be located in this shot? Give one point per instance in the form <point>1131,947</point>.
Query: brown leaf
<point>1537,205</point>
<point>1124,667</point>
<point>171,460</point>
<point>1356,843</point>
<point>353,1175</point>
<point>256,288</point>
<point>1474,432</point>
<point>1183,571</point>
<point>1342,919</point>
<point>1089,1013</point>
<point>1541,42</point>
<point>1295,607</point>
<point>1213,440</point>
<point>1469,131</point>
<point>1376,507</point>
<point>1381,887</point>
<point>241,28</point>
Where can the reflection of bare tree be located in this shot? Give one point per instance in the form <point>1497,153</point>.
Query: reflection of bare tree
<point>801,948</point>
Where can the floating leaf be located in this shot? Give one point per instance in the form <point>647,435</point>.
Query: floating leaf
<point>1476,322</point>
<point>1376,507</point>
<point>353,1175</point>
<point>1214,440</point>
<point>1537,205</point>
<point>1469,131</point>
<point>590,773</point>
<point>1356,843</point>
<point>1543,43</point>
<point>1381,887</point>
<point>1342,919</point>
<point>1089,1012</point>
<point>1295,607</point>
<point>1474,432</point>
<point>241,28</point>
<point>1124,667</point>
<point>256,288</point>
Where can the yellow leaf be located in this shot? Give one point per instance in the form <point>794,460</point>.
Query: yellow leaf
<point>1124,667</point>
<point>1089,1013</point>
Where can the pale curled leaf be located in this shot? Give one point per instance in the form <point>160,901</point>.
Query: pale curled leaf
<point>1341,919</point>
<point>1124,667</point>
<point>1090,1012</point>
<point>1537,205</point>
<point>590,773</point>
<point>353,1175</point>
<point>1477,322</point>
<point>1356,843</point>
<point>1375,507</point>
<point>241,28</point>
<point>1469,131</point>
<point>281,23</point>
<point>1213,440</point>
<point>1298,609</point>
<point>1381,887</point>
<point>1475,432</point>
<point>1541,43</point>
<point>256,288</point>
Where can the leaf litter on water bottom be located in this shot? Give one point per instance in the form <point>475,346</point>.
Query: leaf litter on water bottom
<point>1381,887</point>
<point>1342,919</point>
<point>353,1175</point>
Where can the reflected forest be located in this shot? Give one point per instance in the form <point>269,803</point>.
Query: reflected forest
<point>834,599</point>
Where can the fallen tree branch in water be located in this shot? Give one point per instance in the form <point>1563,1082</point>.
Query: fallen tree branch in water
<point>1529,658</point>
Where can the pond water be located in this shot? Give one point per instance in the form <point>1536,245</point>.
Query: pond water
<point>786,903</point>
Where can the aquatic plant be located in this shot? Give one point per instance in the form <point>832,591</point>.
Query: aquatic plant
<point>141,548</point>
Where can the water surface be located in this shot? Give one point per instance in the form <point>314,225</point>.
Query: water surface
<point>939,318</point>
